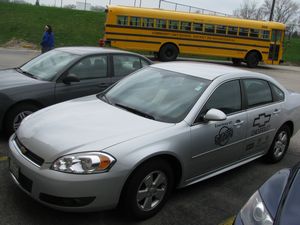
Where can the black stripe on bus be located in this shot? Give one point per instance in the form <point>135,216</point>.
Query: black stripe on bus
<point>151,42</point>
<point>186,39</point>
<point>202,46</point>
<point>188,32</point>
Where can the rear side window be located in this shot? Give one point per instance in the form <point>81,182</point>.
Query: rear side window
<point>278,94</point>
<point>258,92</point>
<point>125,64</point>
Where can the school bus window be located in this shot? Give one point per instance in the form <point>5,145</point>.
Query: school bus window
<point>198,27</point>
<point>135,21</point>
<point>276,35</point>
<point>209,28</point>
<point>232,30</point>
<point>265,34</point>
<point>161,24</point>
<point>148,22</point>
<point>254,33</point>
<point>244,31</point>
<point>220,29</point>
<point>173,24</point>
<point>186,26</point>
<point>122,20</point>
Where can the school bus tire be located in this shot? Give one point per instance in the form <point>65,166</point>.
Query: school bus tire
<point>236,61</point>
<point>168,52</point>
<point>252,59</point>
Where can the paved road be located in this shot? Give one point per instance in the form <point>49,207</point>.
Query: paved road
<point>206,203</point>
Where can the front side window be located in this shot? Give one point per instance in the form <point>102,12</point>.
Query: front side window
<point>47,65</point>
<point>161,24</point>
<point>122,20</point>
<point>135,21</point>
<point>258,92</point>
<point>226,98</point>
<point>90,68</point>
<point>158,94</point>
<point>173,24</point>
<point>125,64</point>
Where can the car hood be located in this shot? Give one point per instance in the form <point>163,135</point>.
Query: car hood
<point>84,124</point>
<point>10,78</point>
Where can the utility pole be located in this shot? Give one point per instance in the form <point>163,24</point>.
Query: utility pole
<point>159,4</point>
<point>272,10</point>
<point>84,5</point>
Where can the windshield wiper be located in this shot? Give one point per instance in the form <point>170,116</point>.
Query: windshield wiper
<point>135,111</point>
<point>26,73</point>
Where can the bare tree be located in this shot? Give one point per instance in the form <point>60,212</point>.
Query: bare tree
<point>249,10</point>
<point>284,10</point>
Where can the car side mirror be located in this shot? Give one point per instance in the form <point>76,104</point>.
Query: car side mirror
<point>214,115</point>
<point>70,78</point>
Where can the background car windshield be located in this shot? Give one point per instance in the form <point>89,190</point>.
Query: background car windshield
<point>167,96</point>
<point>47,65</point>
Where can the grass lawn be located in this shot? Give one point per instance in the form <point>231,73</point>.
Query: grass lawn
<point>292,51</point>
<point>71,27</point>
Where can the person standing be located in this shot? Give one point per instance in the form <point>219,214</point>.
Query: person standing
<point>48,39</point>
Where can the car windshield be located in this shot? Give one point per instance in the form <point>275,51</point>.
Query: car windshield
<point>47,65</point>
<point>157,94</point>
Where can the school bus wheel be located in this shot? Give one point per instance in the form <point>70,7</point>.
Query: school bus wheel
<point>168,52</point>
<point>252,59</point>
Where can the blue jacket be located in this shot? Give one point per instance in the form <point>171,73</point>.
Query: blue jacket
<point>48,40</point>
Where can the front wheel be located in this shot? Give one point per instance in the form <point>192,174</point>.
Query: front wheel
<point>252,60</point>
<point>147,189</point>
<point>279,145</point>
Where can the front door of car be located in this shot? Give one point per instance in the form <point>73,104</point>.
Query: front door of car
<point>264,115</point>
<point>217,144</point>
<point>89,76</point>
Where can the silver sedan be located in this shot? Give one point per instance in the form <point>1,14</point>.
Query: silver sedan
<point>168,125</point>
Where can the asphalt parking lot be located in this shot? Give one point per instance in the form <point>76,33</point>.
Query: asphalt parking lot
<point>206,203</point>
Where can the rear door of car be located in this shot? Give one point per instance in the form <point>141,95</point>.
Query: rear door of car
<point>264,105</point>
<point>124,64</point>
<point>217,144</point>
<point>94,74</point>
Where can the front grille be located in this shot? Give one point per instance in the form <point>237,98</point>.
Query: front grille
<point>25,182</point>
<point>28,154</point>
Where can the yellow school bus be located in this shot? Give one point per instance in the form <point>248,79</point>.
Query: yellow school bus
<point>168,33</point>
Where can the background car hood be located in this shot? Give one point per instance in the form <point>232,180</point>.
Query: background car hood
<point>84,124</point>
<point>10,78</point>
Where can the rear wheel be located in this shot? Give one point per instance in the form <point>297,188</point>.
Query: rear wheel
<point>168,52</point>
<point>15,116</point>
<point>279,145</point>
<point>252,60</point>
<point>147,190</point>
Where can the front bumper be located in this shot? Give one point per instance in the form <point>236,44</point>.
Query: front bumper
<point>63,191</point>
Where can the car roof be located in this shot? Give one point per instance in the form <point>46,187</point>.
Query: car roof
<point>207,71</point>
<point>92,50</point>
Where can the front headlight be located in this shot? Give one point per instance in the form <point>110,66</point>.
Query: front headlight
<point>255,212</point>
<point>84,163</point>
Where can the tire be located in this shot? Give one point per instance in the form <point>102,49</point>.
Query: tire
<point>279,145</point>
<point>236,62</point>
<point>168,52</point>
<point>15,116</point>
<point>252,60</point>
<point>155,55</point>
<point>141,197</point>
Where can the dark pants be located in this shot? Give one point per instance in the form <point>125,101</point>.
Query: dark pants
<point>46,49</point>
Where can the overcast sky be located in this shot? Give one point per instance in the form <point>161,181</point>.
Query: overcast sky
<point>225,6</point>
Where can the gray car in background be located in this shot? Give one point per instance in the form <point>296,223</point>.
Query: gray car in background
<point>167,125</point>
<point>59,75</point>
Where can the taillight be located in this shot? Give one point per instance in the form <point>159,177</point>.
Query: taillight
<point>101,42</point>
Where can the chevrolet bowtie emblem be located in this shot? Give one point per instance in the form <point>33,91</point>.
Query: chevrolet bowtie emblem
<point>261,120</point>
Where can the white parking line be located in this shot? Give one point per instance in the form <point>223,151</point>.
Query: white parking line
<point>3,158</point>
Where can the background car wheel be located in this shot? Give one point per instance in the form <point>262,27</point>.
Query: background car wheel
<point>168,52</point>
<point>236,62</point>
<point>15,116</point>
<point>147,189</point>
<point>252,60</point>
<point>279,145</point>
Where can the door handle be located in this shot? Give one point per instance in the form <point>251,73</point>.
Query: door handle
<point>276,111</point>
<point>238,122</point>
